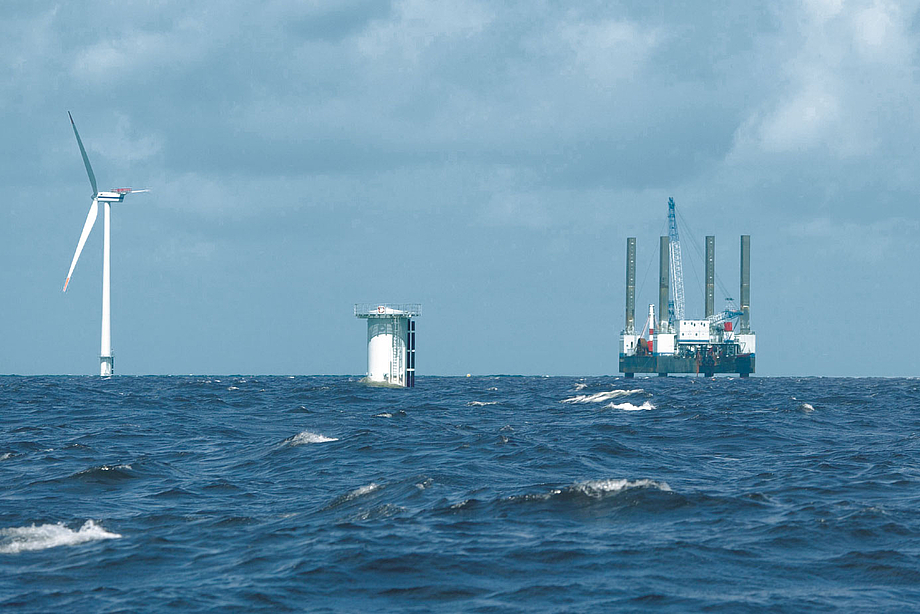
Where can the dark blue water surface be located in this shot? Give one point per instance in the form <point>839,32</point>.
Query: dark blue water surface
<point>483,494</point>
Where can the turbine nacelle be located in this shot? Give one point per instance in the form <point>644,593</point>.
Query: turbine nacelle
<point>117,195</point>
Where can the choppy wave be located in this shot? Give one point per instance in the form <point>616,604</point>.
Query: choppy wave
<point>601,396</point>
<point>103,468</point>
<point>523,505</point>
<point>41,537</point>
<point>599,488</point>
<point>305,437</point>
<point>630,407</point>
<point>481,403</point>
<point>352,495</point>
<point>394,414</point>
<point>361,491</point>
<point>587,491</point>
<point>424,483</point>
<point>104,473</point>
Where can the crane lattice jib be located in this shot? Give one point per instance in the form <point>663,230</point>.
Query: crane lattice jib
<point>724,316</point>
<point>677,273</point>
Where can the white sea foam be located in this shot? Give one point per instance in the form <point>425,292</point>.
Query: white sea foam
<point>94,470</point>
<point>600,396</point>
<point>232,388</point>
<point>481,403</point>
<point>599,488</point>
<point>381,511</point>
<point>806,407</point>
<point>580,386</point>
<point>360,492</point>
<point>630,407</point>
<point>306,437</point>
<point>5,456</point>
<point>385,414</point>
<point>354,494</point>
<point>20,539</point>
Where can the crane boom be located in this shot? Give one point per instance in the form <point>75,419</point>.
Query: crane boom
<point>676,304</point>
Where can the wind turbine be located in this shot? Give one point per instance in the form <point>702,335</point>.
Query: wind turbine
<point>117,195</point>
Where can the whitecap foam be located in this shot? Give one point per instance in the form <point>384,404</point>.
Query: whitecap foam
<point>385,414</point>
<point>353,494</point>
<point>580,386</point>
<point>5,456</point>
<point>599,488</point>
<point>630,407</point>
<point>806,407</point>
<point>424,484</point>
<point>600,396</point>
<point>104,468</point>
<point>101,470</point>
<point>20,539</point>
<point>381,511</point>
<point>305,437</point>
<point>481,403</point>
<point>363,490</point>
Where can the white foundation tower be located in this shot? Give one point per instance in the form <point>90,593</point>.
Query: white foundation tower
<point>390,342</point>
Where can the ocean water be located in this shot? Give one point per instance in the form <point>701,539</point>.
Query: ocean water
<point>483,494</point>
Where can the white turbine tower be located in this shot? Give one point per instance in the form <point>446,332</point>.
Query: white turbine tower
<point>117,195</point>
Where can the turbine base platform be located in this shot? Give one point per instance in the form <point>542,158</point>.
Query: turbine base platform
<point>106,365</point>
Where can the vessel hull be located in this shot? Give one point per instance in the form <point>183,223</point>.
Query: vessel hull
<point>742,364</point>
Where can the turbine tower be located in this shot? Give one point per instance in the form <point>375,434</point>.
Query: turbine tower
<point>117,195</point>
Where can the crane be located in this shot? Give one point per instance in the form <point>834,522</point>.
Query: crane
<point>730,313</point>
<point>676,304</point>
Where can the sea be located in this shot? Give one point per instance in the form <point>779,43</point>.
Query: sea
<point>463,494</point>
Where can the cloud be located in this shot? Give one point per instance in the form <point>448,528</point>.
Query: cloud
<point>508,131</point>
<point>608,51</point>
<point>868,243</point>
<point>419,26</point>
<point>843,72</point>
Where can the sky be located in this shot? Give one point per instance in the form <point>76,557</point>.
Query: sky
<point>487,160</point>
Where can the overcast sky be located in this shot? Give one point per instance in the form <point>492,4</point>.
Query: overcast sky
<point>485,159</point>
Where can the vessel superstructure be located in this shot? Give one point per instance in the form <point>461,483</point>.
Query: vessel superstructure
<point>720,342</point>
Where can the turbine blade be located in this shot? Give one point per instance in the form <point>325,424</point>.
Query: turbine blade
<point>87,227</point>
<point>89,169</point>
